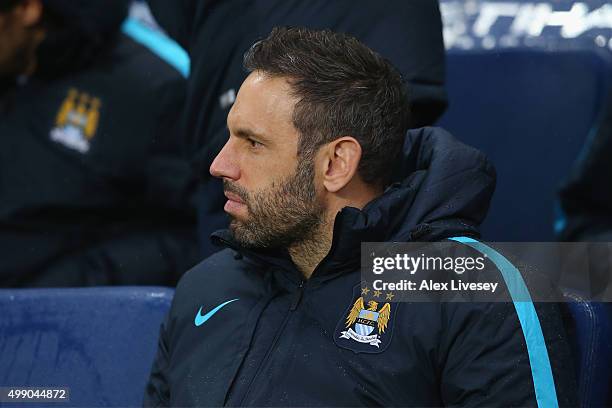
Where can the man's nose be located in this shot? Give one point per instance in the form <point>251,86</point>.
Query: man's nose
<point>224,165</point>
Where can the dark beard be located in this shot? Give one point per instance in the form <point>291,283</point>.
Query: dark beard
<point>285,214</point>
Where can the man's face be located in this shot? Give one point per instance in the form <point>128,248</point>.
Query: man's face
<point>15,43</point>
<point>272,198</point>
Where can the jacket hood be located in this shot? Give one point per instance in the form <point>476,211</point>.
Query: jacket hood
<point>442,189</point>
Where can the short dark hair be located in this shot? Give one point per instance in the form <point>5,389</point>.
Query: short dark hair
<point>343,89</point>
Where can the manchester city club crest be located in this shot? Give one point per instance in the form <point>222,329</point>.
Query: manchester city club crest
<point>367,327</point>
<point>77,121</point>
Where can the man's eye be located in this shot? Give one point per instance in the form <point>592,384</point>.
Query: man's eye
<point>254,143</point>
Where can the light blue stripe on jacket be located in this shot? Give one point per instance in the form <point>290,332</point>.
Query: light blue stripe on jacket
<point>541,370</point>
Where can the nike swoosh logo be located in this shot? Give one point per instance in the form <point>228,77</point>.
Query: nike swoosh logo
<point>200,320</point>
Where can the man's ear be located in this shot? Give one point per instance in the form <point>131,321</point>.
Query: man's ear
<point>341,160</point>
<point>29,12</point>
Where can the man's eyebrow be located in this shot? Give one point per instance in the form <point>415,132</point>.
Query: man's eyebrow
<point>244,133</point>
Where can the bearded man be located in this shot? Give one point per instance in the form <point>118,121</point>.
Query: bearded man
<point>216,34</point>
<point>317,162</point>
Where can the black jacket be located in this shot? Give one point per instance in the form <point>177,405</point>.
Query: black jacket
<point>275,340</point>
<point>216,34</point>
<point>88,165</point>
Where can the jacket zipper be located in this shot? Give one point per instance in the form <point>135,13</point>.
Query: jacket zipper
<point>297,298</point>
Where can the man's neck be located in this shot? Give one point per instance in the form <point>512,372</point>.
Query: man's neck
<point>308,254</point>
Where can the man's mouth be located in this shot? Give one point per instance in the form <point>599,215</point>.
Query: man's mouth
<point>233,197</point>
<point>234,203</point>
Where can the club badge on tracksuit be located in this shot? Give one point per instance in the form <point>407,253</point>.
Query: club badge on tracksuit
<point>367,326</point>
<point>77,121</point>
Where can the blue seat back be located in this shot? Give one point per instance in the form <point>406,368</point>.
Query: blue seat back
<point>99,342</point>
<point>589,326</point>
<point>530,110</point>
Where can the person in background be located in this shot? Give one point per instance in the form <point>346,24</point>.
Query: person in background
<point>90,168</point>
<point>585,201</point>
<point>586,195</point>
<point>216,33</point>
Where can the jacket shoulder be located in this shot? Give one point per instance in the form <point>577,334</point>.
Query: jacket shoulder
<point>147,66</point>
<point>216,274</point>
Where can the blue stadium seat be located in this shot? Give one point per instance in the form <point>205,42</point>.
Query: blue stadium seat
<point>99,342</point>
<point>589,327</point>
<point>530,110</point>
